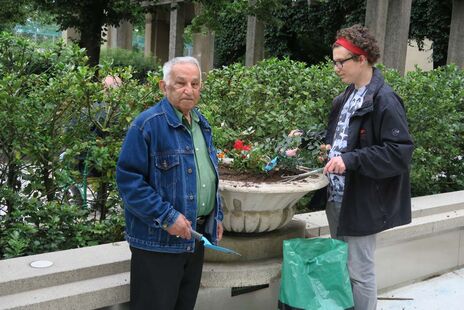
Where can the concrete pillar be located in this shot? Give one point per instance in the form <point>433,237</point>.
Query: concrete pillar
<point>149,45</point>
<point>397,33</point>
<point>376,21</point>
<point>157,35</point>
<point>120,37</point>
<point>456,38</point>
<point>71,35</point>
<point>255,40</point>
<point>203,46</point>
<point>421,59</point>
<point>176,30</point>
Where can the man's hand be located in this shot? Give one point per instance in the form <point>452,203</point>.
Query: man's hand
<point>181,228</point>
<point>220,231</point>
<point>335,165</point>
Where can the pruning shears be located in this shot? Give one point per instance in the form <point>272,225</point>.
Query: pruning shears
<point>208,244</point>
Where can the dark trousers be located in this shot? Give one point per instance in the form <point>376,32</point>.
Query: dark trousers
<point>165,281</point>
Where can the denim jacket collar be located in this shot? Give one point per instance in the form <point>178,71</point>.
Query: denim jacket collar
<point>172,118</point>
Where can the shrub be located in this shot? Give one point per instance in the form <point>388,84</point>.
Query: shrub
<point>54,121</point>
<point>435,109</point>
<point>120,58</point>
<point>263,103</point>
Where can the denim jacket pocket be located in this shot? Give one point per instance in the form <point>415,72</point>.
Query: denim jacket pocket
<point>166,169</point>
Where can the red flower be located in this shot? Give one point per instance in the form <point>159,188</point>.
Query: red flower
<point>238,145</point>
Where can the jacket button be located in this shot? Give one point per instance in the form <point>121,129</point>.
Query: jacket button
<point>189,170</point>
<point>187,148</point>
<point>191,197</point>
<point>188,248</point>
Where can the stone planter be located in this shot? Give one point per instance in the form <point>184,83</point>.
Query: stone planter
<point>261,207</point>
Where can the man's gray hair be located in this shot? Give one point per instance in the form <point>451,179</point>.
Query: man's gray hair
<point>167,67</point>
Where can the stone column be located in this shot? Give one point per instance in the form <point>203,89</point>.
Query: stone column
<point>255,40</point>
<point>176,30</point>
<point>203,46</point>
<point>157,35</point>
<point>71,35</point>
<point>456,37</point>
<point>376,21</point>
<point>149,45</point>
<point>397,33</point>
<point>120,37</point>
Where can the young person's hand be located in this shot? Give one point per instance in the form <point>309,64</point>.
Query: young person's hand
<point>324,153</point>
<point>335,165</point>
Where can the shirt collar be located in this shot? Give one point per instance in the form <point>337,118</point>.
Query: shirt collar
<point>181,117</point>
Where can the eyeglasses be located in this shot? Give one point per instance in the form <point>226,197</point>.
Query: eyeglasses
<point>339,63</point>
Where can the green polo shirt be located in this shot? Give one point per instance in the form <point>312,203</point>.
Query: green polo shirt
<point>206,176</point>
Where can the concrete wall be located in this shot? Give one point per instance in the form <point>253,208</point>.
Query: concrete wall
<point>97,277</point>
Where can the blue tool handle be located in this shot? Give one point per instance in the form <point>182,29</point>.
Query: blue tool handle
<point>196,235</point>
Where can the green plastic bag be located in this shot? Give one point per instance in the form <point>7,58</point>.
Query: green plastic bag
<point>315,275</point>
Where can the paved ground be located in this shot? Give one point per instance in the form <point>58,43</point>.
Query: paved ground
<point>445,292</point>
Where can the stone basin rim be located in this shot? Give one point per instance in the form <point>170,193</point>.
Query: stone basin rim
<point>275,188</point>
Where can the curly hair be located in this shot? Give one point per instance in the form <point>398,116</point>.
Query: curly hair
<point>362,38</point>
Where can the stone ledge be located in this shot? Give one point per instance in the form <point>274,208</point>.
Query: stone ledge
<point>423,226</point>
<point>86,294</point>
<point>424,209</point>
<point>68,266</point>
<point>434,204</point>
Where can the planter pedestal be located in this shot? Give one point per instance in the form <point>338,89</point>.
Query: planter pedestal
<point>256,246</point>
<point>257,219</point>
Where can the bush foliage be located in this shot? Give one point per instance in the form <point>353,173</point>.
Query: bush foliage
<point>59,123</point>
<point>120,58</point>
<point>56,119</point>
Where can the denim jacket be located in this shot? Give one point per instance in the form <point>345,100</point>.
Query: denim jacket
<point>156,180</point>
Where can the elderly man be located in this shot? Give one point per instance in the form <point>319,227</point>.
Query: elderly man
<point>167,178</point>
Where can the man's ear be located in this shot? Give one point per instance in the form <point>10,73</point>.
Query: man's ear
<point>162,86</point>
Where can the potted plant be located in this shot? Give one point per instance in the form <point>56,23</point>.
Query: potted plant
<point>260,183</point>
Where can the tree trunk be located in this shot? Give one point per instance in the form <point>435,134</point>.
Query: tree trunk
<point>91,35</point>
<point>12,183</point>
<point>102,197</point>
<point>92,46</point>
<point>50,189</point>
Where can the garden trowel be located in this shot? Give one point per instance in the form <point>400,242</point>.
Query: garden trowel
<point>208,244</point>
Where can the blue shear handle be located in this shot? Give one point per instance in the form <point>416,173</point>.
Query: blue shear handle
<point>196,235</point>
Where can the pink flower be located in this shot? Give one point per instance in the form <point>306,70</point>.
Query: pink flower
<point>291,153</point>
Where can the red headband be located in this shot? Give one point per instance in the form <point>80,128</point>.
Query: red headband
<point>350,46</point>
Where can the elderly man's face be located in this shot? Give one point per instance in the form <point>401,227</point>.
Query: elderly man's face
<point>183,86</point>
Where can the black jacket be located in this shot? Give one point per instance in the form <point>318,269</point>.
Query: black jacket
<point>377,193</point>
